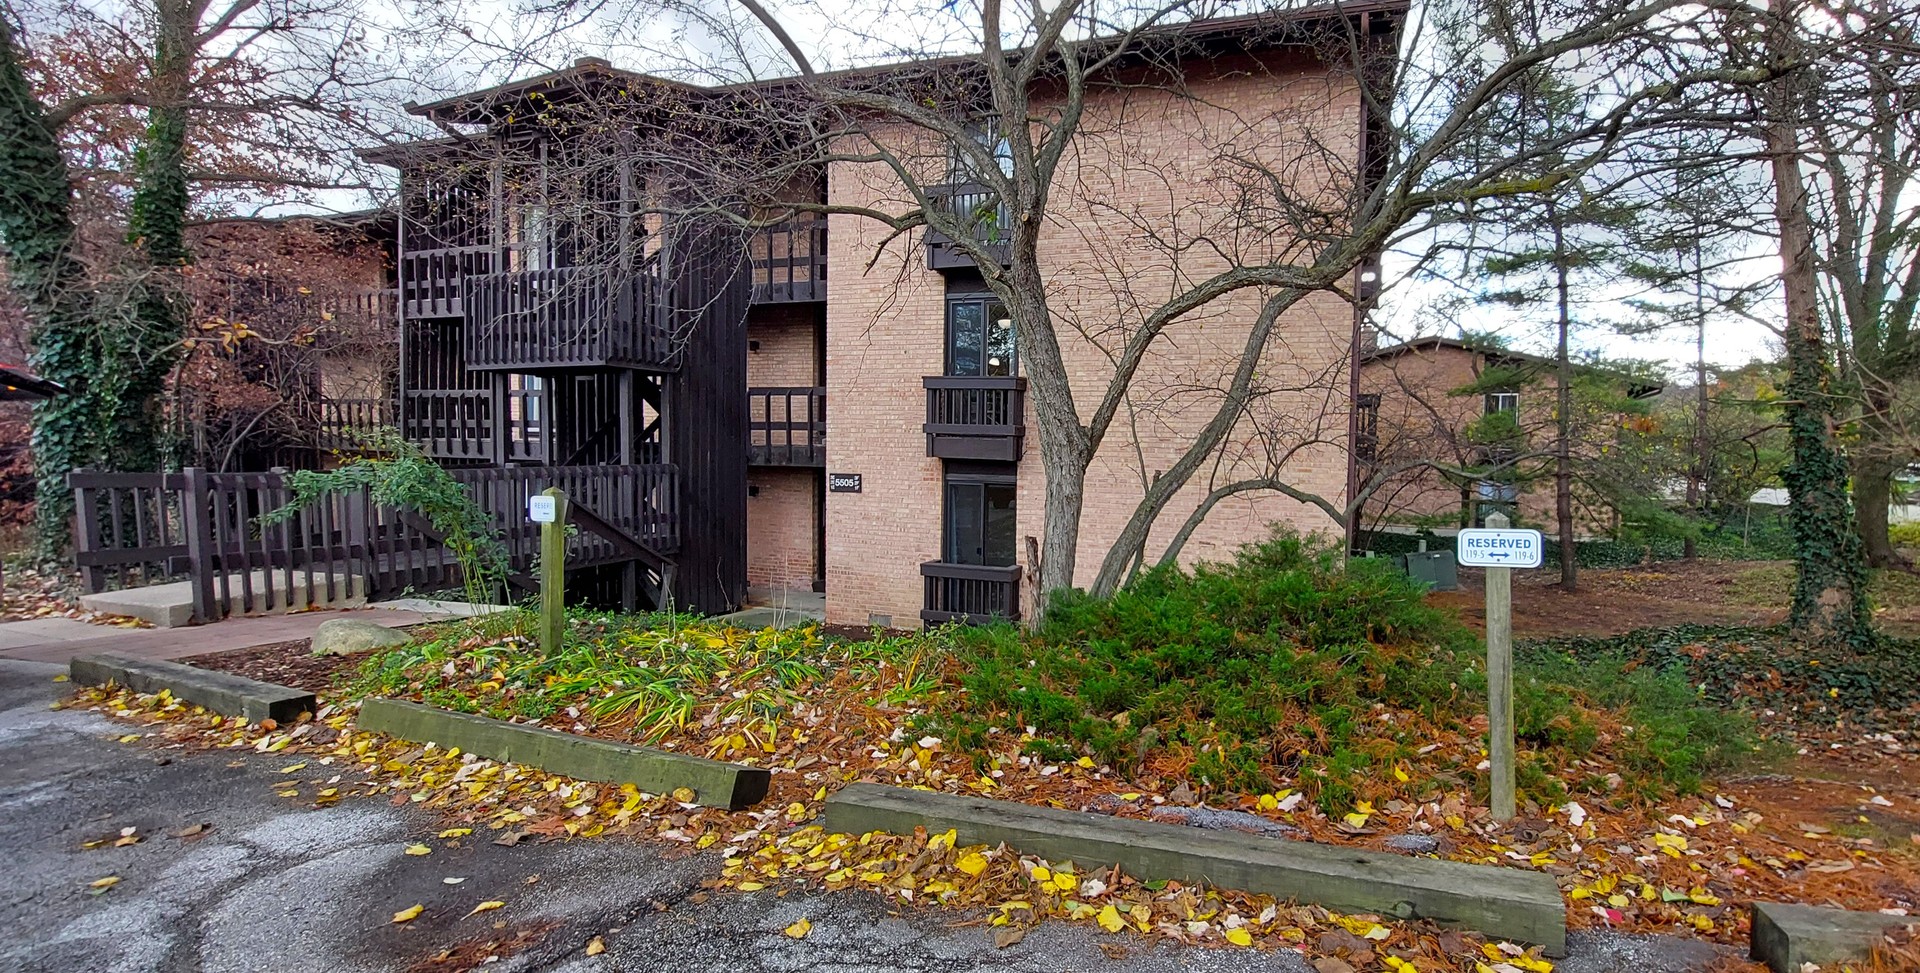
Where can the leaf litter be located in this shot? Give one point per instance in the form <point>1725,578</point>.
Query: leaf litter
<point>1685,865</point>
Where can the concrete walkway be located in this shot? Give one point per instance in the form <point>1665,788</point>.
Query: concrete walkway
<point>39,641</point>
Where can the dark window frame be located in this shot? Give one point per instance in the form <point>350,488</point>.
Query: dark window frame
<point>957,550</point>
<point>985,299</point>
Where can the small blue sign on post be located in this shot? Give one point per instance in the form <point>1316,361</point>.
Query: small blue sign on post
<point>1486,547</point>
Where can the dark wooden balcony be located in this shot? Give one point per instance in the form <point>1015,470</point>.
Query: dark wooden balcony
<point>974,206</point>
<point>789,261</point>
<point>971,593</point>
<point>976,418</point>
<point>527,440</point>
<point>568,317</point>
<point>450,424</point>
<point>431,281</point>
<point>787,426</point>
<point>346,423</point>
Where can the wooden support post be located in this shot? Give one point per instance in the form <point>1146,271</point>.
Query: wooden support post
<point>553,574</point>
<point>1500,681</point>
<point>195,511</point>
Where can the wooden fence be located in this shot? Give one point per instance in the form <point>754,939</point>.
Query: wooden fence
<point>145,528</point>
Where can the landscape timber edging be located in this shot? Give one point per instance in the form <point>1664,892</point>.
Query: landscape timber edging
<point>713,782</point>
<point>1786,936</point>
<point>1506,903</point>
<point>221,692</point>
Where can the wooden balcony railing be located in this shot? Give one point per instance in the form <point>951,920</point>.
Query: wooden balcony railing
<point>789,262</point>
<point>431,280</point>
<point>345,423</point>
<point>567,317</point>
<point>144,528</point>
<point>976,418</point>
<point>787,426</point>
<point>450,423</point>
<point>977,208</point>
<point>527,434</point>
<point>970,593</point>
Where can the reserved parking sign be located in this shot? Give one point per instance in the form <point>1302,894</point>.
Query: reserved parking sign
<point>1486,547</point>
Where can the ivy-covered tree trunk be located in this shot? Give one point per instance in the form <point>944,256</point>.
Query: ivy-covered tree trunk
<point>156,228</point>
<point>1830,589</point>
<point>36,228</point>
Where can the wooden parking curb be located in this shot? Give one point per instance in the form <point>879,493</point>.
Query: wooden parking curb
<point>1508,903</point>
<point>221,692</point>
<point>1788,937</point>
<point>714,783</point>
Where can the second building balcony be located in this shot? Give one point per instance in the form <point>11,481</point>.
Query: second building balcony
<point>970,593</point>
<point>975,417</point>
<point>787,426</point>
<point>568,317</point>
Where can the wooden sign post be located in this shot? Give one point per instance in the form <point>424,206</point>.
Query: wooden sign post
<point>549,510</point>
<point>1500,550</point>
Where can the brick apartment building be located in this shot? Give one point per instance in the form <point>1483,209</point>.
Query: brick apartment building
<point>1422,399</point>
<point>917,497</point>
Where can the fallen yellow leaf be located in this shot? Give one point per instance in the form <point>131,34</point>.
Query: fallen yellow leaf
<point>972,863</point>
<point>487,906</point>
<point>456,832</point>
<point>1240,936</point>
<point>596,946</point>
<point>101,883</point>
<point>1109,919</point>
<point>409,913</point>
<point>417,850</point>
<point>799,929</point>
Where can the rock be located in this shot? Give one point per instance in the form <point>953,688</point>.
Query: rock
<point>1413,844</point>
<point>1213,819</point>
<point>1181,794</point>
<point>351,636</point>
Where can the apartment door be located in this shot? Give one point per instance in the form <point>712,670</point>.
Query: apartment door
<point>979,522</point>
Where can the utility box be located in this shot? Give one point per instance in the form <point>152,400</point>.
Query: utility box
<point>1436,568</point>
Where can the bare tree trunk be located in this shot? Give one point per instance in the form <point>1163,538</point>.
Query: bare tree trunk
<point>1064,453</point>
<point>1563,410</point>
<point>1702,462</point>
<point>1872,494</point>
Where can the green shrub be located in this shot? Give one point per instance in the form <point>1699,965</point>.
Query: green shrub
<point>1287,664</point>
<point>1905,535</point>
<point>1269,664</point>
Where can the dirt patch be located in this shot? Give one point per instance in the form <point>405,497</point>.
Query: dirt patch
<point>283,664</point>
<point>479,951</point>
<point>1615,601</point>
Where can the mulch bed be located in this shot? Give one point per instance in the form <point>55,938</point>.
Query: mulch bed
<point>283,664</point>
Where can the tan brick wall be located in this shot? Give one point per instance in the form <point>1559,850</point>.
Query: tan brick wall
<point>782,345</point>
<point>781,527</point>
<point>1149,165</point>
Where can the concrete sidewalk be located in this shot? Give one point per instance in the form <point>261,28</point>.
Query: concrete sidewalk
<point>40,641</point>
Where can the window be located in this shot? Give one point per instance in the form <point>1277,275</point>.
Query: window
<point>1503,402</point>
<point>980,340</point>
<point>1366,438</point>
<point>986,133</point>
<point>979,523</point>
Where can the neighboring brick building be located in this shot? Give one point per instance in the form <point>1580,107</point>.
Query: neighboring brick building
<point>1444,400</point>
<point>921,499</point>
